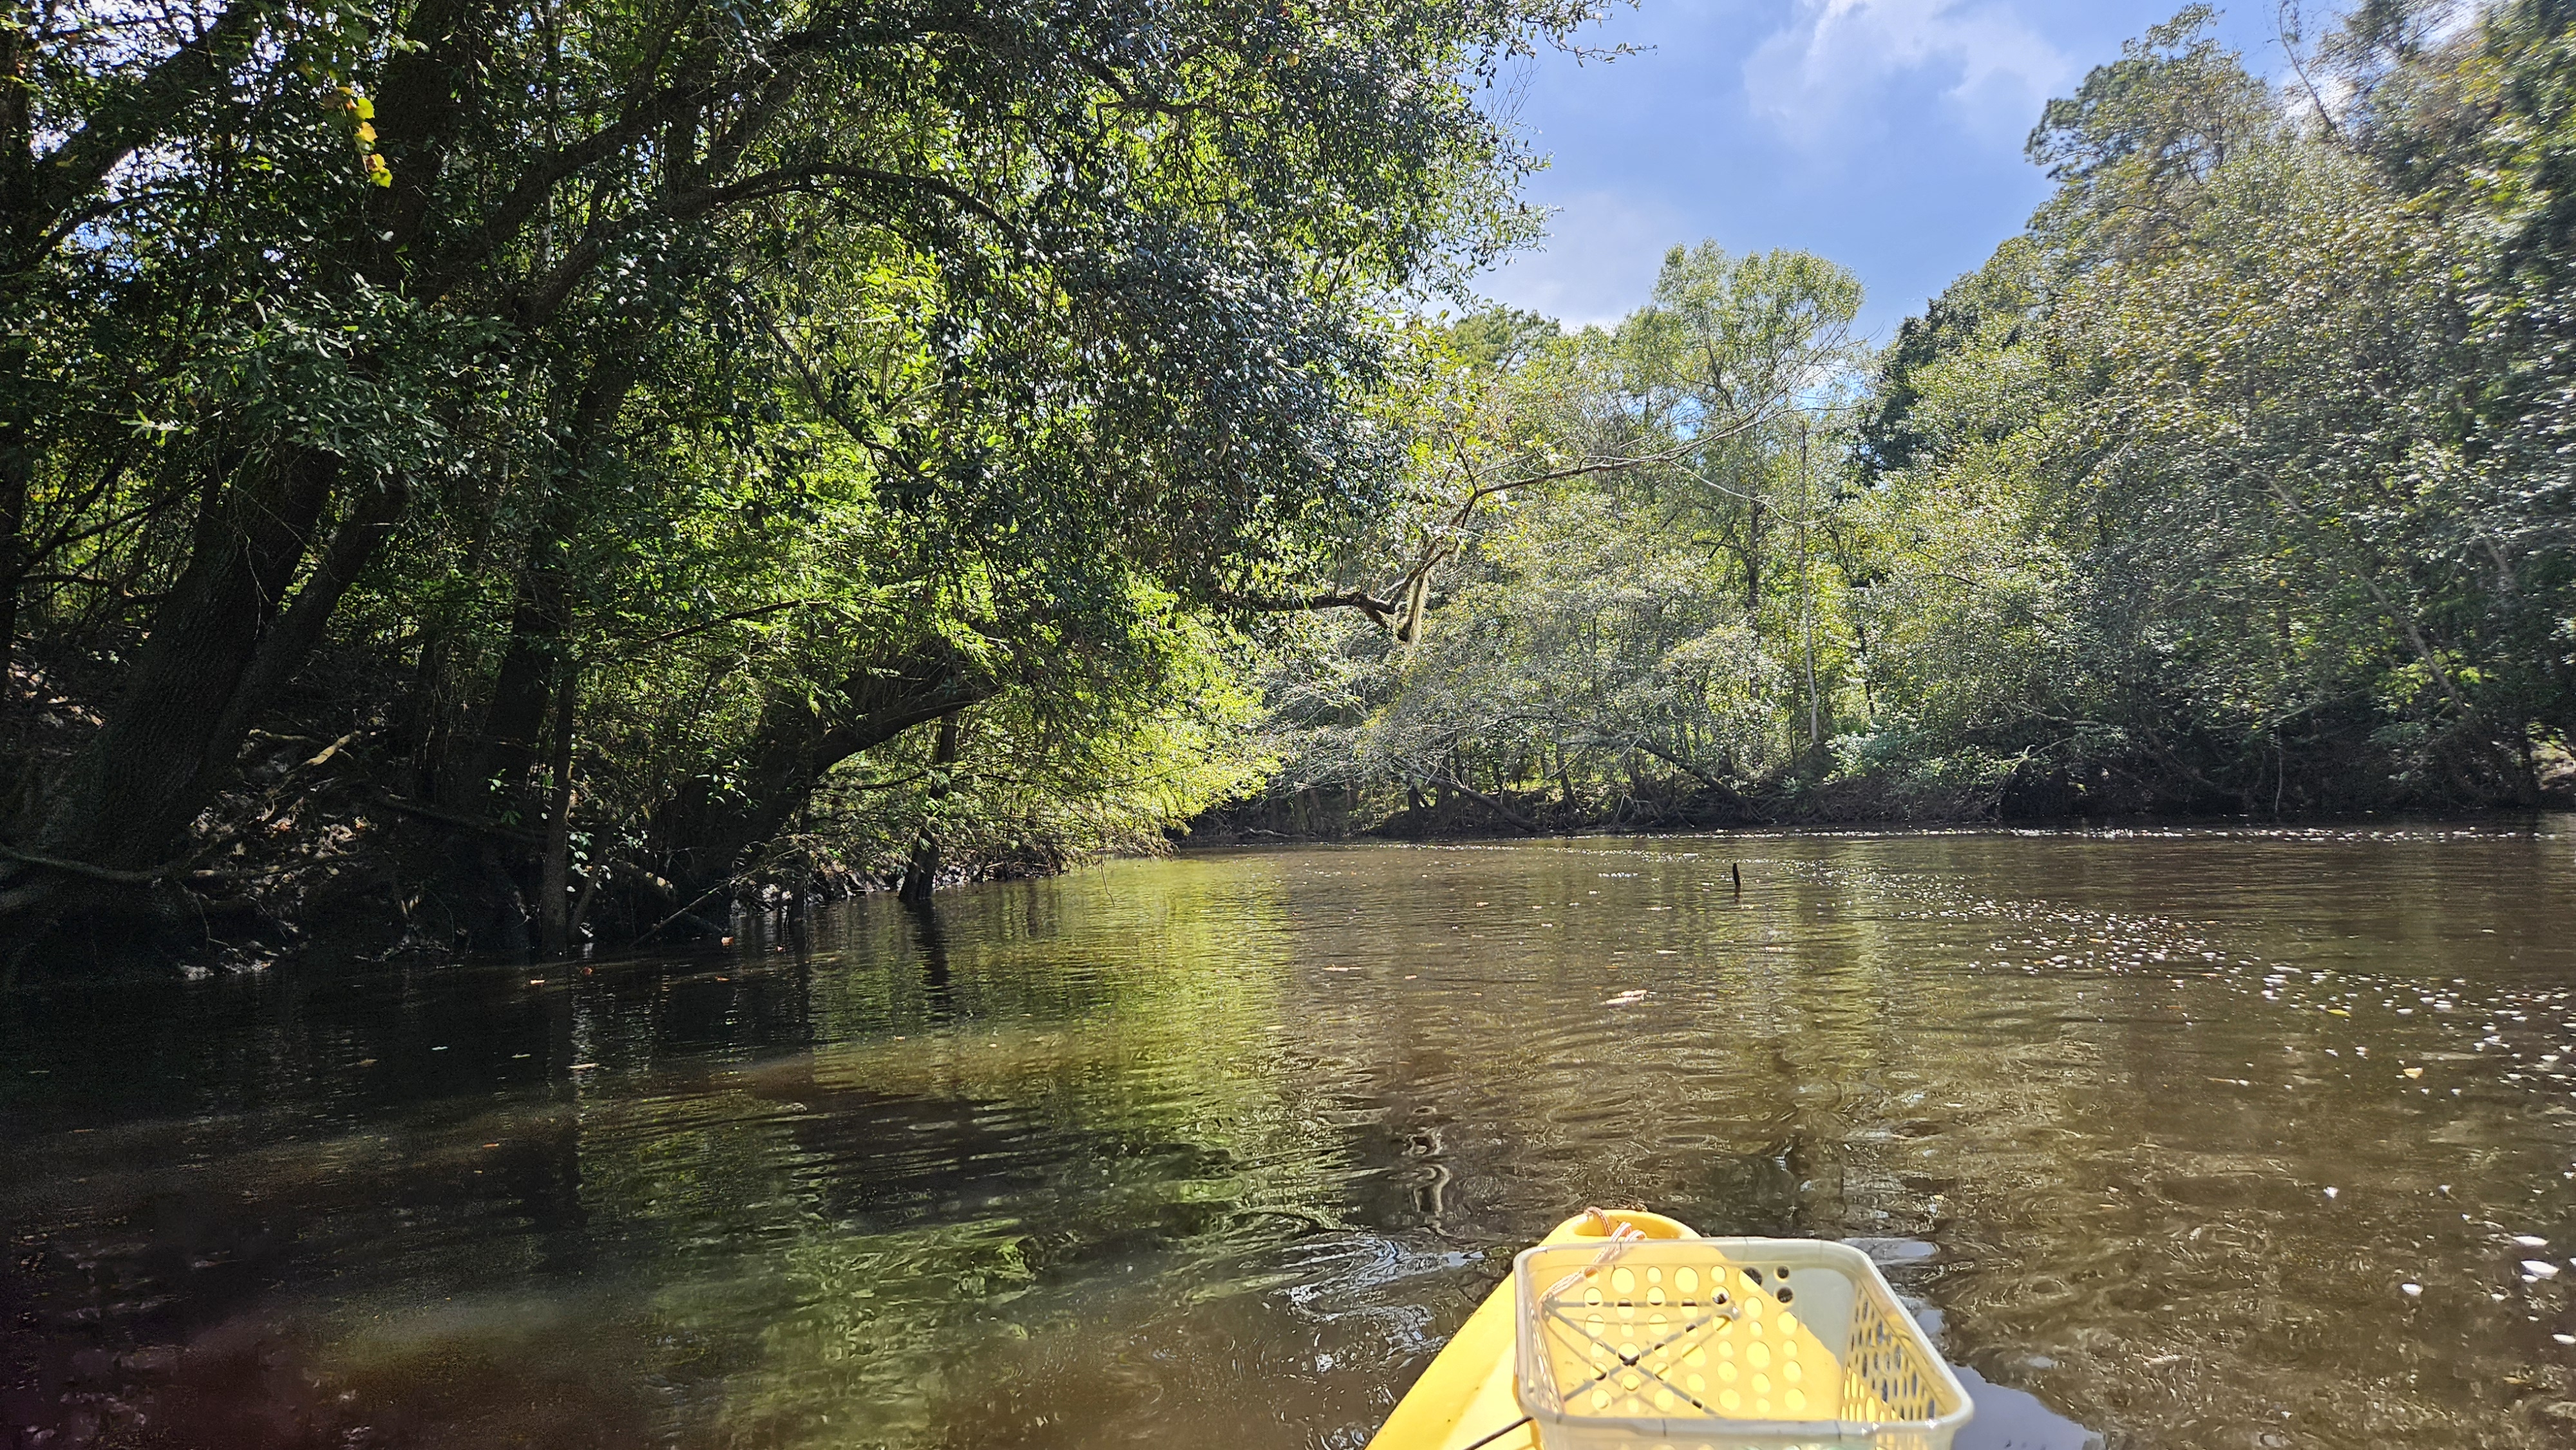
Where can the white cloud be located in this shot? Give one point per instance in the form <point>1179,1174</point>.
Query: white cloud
<point>1598,263</point>
<point>1821,77</point>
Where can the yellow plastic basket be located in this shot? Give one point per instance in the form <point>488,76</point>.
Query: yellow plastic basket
<point>1724,1344</point>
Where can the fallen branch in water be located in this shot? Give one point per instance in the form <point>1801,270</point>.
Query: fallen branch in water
<point>163,872</point>
<point>455,818</point>
<point>1491,803</point>
<point>94,873</point>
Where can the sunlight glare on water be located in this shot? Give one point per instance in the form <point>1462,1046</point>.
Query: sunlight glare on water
<point>2228,1138</point>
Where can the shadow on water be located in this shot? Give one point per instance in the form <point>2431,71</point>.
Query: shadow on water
<point>2154,1130</point>
<point>2011,1419</point>
<point>932,941</point>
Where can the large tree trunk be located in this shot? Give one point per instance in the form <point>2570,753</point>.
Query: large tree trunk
<point>172,736</point>
<point>710,833</point>
<point>921,873</point>
<point>541,612</point>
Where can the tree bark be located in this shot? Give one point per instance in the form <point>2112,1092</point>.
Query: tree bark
<point>18,268</point>
<point>711,830</point>
<point>430,92</point>
<point>921,873</point>
<point>177,725</point>
<point>17,470</point>
<point>501,741</point>
<point>554,920</point>
<point>541,613</point>
<point>284,649</point>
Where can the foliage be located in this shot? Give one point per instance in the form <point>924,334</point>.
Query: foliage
<point>1628,567</point>
<point>2239,482</point>
<point>598,427</point>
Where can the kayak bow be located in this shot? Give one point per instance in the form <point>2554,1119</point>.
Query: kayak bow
<point>1464,1401</point>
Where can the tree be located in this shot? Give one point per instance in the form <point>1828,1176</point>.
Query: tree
<point>2238,482</point>
<point>1615,555</point>
<point>2135,147</point>
<point>496,314</point>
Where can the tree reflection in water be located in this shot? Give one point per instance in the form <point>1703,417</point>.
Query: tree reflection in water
<point>1218,1150</point>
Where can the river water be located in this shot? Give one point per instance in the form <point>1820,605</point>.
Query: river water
<point>2156,1129</point>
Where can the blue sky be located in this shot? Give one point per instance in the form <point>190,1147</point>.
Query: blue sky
<point>1884,134</point>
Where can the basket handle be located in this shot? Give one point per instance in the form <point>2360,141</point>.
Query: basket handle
<point>1621,1235</point>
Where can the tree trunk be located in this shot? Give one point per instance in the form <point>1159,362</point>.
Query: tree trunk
<point>514,718</point>
<point>172,737</point>
<point>708,833</point>
<point>921,873</point>
<point>18,267</point>
<point>1497,806</point>
<point>285,648</point>
<point>17,467</point>
<point>1751,554</point>
<point>501,741</point>
<point>541,613</point>
<point>554,919</point>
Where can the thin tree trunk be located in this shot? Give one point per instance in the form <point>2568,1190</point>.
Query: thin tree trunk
<point>541,611</point>
<point>1752,557</point>
<point>554,925</point>
<point>1807,595</point>
<point>17,468</point>
<point>19,226</point>
<point>921,873</point>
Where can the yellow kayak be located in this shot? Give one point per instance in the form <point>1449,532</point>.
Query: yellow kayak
<point>1465,1398</point>
<point>1645,1335</point>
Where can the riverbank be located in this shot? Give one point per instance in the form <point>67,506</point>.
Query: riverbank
<point>2052,799</point>
<point>337,840</point>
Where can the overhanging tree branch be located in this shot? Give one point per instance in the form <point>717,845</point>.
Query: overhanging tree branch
<point>140,112</point>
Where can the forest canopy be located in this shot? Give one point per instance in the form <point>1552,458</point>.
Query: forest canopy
<point>2238,483</point>
<point>500,475</point>
<point>501,466</point>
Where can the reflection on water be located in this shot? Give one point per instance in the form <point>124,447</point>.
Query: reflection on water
<point>2230,1139</point>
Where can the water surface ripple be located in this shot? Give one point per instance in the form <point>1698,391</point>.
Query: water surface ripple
<point>2186,1138</point>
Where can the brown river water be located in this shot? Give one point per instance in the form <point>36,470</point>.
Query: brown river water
<point>2155,1129</point>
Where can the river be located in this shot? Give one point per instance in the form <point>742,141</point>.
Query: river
<point>2242,1138</point>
